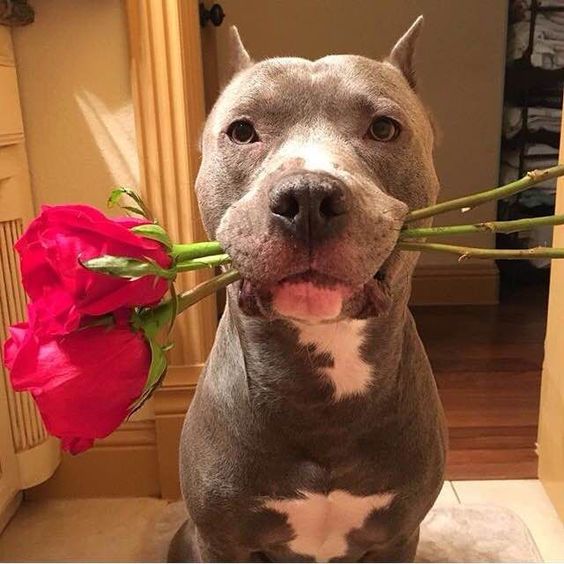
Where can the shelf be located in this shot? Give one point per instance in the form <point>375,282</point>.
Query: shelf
<point>549,98</point>
<point>529,137</point>
<point>521,76</point>
<point>549,9</point>
<point>514,210</point>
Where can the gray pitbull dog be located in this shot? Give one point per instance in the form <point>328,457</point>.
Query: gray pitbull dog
<point>316,432</point>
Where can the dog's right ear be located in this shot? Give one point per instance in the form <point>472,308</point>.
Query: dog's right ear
<point>403,53</point>
<point>239,56</point>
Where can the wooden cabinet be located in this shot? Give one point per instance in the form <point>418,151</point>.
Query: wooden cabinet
<point>27,454</point>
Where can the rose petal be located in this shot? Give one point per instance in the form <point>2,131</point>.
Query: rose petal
<point>61,289</point>
<point>76,445</point>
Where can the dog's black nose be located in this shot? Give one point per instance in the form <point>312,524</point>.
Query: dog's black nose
<point>311,206</point>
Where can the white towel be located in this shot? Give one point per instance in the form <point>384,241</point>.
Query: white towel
<point>550,3</point>
<point>509,173</point>
<point>538,118</point>
<point>548,42</point>
<point>548,28</point>
<point>526,4</point>
<point>518,40</point>
<point>536,155</point>
<point>540,237</point>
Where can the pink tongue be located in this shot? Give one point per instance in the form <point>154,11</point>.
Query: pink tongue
<point>307,301</point>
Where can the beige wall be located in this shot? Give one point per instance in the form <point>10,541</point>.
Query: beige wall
<point>75,91</point>
<point>75,86</point>
<point>73,72</point>
<point>460,67</point>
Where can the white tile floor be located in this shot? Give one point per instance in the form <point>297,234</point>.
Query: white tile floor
<point>528,499</point>
<point>80,530</point>
<point>113,529</point>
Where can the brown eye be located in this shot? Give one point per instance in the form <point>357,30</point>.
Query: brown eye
<point>383,129</point>
<point>242,132</point>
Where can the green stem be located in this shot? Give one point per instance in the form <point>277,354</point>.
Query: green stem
<point>203,262</point>
<point>162,314</point>
<point>474,252</point>
<point>492,226</point>
<point>201,291</point>
<point>183,252</point>
<point>530,179</point>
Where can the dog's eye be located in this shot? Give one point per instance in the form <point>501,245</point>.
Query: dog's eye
<point>383,129</point>
<point>242,132</point>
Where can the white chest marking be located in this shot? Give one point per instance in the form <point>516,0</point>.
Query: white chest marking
<point>321,522</point>
<point>342,340</point>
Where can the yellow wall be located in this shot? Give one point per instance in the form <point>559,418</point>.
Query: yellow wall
<point>460,66</point>
<point>551,424</point>
<point>73,72</point>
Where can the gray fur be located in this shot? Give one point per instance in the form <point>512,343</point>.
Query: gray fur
<point>264,423</point>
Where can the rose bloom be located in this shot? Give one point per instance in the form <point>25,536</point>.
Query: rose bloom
<point>61,290</point>
<point>84,383</point>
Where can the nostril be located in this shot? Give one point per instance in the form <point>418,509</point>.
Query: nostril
<point>286,206</point>
<point>309,206</point>
<point>332,206</point>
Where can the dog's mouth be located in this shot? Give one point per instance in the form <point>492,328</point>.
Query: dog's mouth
<point>310,296</point>
<point>315,297</point>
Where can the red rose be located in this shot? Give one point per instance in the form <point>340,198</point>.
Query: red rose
<point>61,290</point>
<point>83,383</point>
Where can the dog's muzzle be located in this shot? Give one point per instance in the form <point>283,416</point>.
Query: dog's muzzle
<point>308,245</point>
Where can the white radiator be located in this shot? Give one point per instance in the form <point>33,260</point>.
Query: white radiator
<point>37,453</point>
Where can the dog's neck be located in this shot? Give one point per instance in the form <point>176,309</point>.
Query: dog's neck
<point>298,362</point>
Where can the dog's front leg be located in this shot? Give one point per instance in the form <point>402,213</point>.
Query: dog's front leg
<point>188,545</point>
<point>219,548</point>
<point>399,551</point>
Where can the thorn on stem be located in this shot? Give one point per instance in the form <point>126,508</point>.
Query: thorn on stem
<point>536,174</point>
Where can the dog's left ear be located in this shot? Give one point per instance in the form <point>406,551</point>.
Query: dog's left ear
<point>240,58</point>
<point>403,53</point>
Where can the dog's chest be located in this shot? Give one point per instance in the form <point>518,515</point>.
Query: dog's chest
<point>320,523</point>
<point>349,374</point>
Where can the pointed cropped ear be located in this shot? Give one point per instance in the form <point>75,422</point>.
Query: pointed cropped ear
<point>239,57</point>
<point>403,53</point>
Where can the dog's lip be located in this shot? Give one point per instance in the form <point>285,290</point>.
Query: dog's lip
<point>254,298</point>
<point>315,277</point>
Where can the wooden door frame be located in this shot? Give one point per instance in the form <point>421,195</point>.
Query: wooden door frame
<point>141,457</point>
<point>550,444</point>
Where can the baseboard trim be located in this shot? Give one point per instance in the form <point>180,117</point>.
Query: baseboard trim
<point>125,464</point>
<point>9,510</point>
<point>38,463</point>
<point>138,459</point>
<point>459,284</point>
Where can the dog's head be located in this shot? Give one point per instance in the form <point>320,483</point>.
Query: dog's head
<point>308,170</point>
